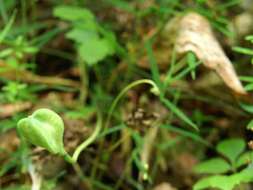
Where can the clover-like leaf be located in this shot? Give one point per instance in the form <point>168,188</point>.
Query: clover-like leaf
<point>213,166</point>
<point>44,128</point>
<point>231,148</point>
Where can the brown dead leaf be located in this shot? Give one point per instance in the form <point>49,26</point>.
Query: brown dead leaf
<point>195,34</point>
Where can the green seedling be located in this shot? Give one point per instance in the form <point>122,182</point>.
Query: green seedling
<point>94,43</point>
<point>45,128</point>
<point>232,160</point>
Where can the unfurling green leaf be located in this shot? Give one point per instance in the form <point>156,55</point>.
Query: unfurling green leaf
<point>44,128</point>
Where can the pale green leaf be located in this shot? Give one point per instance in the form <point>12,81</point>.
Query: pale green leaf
<point>221,182</point>
<point>225,182</point>
<point>72,13</point>
<point>213,166</point>
<point>95,50</point>
<point>82,36</point>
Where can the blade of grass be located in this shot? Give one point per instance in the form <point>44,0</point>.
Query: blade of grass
<point>178,113</point>
<point>249,87</point>
<point>246,107</point>
<point>242,50</point>
<point>185,133</point>
<point>246,78</point>
<point>8,26</point>
<point>3,11</point>
<point>228,4</point>
<point>192,62</point>
<point>185,71</point>
<point>46,37</point>
<point>153,64</point>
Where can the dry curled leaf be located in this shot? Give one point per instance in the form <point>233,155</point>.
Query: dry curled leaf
<point>195,34</point>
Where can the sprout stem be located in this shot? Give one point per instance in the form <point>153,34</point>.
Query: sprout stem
<point>86,143</point>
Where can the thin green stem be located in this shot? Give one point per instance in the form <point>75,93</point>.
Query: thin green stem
<point>68,158</point>
<point>73,159</point>
<point>126,89</point>
<point>88,141</point>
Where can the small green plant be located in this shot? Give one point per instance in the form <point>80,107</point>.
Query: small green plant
<point>15,91</point>
<point>15,48</point>
<point>94,42</point>
<point>233,158</point>
<point>45,128</point>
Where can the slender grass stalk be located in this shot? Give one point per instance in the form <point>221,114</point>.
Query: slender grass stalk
<point>84,80</point>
